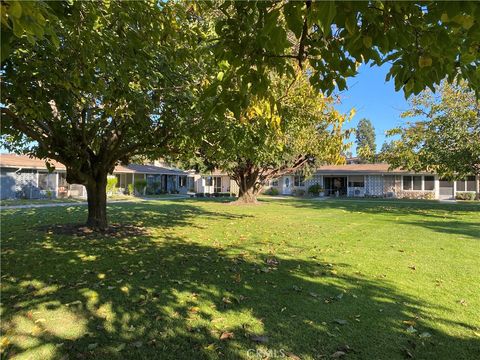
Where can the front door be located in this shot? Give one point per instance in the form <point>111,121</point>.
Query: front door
<point>287,185</point>
<point>446,189</point>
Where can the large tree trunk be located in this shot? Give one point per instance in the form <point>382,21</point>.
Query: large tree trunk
<point>248,187</point>
<point>97,203</point>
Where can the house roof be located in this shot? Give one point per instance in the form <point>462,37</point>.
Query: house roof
<point>360,169</point>
<point>26,162</point>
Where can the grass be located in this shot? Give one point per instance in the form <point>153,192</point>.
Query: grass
<point>14,202</point>
<point>206,280</point>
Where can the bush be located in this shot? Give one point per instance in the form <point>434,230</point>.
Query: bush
<point>111,184</point>
<point>271,191</point>
<point>153,188</point>
<point>315,189</point>
<point>130,189</point>
<point>465,196</point>
<point>140,186</point>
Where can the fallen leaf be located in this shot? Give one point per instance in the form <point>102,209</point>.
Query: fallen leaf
<point>412,267</point>
<point>138,344</point>
<point>292,356</point>
<point>409,322</point>
<point>338,354</point>
<point>341,321</point>
<point>226,335</point>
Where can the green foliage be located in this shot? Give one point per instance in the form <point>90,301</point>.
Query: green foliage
<point>32,20</point>
<point>131,189</point>
<point>272,191</point>
<point>365,139</point>
<point>111,184</point>
<point>424,42</point>
<point>445,135</point>
<point>470,196</point>
<point>315,189</point>
<point>140,186</point>
<point>120,85</point>
<point>269,140</point>
<point>153,188</point>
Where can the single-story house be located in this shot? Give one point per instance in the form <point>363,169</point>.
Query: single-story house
<point>375,180</point>
<point>215,182</point>
<point>26,177</point>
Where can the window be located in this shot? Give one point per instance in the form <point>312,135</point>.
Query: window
<point>191,184</point>
<point>461,185</point>
<point>208,181</point>
<point>299,180</point>
<point>274,182</point>
<point>407,183</point>
<point>46,181</point>
<point>182,181</point>
<point>217,184</point>
<point>429,183</point>
<point>417,183</point>
<point>356,181</point>
<point>471,186</point>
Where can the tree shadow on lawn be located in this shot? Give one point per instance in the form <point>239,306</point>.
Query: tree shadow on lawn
<point>168,297</point>
<point>445,218</point>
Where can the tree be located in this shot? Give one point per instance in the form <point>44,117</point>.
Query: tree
<point>386,147</point>
<point>115,88</point>
<point>270,141</point>
<point>424,42</point>
<point>365,139</point>
<point>444,136</point>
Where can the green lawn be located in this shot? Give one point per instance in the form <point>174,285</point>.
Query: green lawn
<point>376,280</point>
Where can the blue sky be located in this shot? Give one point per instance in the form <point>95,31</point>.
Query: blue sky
<point>374,99</point>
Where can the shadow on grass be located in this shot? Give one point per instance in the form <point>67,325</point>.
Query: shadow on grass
<point>164,296</point>
<point>440,217</point>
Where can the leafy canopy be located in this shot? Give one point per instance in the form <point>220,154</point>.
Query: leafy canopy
<point>304,130</point>
<point>112,89</point>
<point>444,135</point>
<point>424,42</point>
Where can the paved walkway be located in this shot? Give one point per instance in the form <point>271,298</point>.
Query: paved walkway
<point>83,203</point>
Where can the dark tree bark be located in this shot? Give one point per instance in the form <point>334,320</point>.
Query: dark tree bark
<point>97,202</point>
<point>247,179</point>
<point>247,193</point>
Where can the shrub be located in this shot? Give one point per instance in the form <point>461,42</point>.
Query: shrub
<point>315,189</point>
<point>153,188</point>
<point>271,191</point>
<point>465,196</point>
<point>140,186</point>
<point>130,189</point>
<point>111,184</point>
